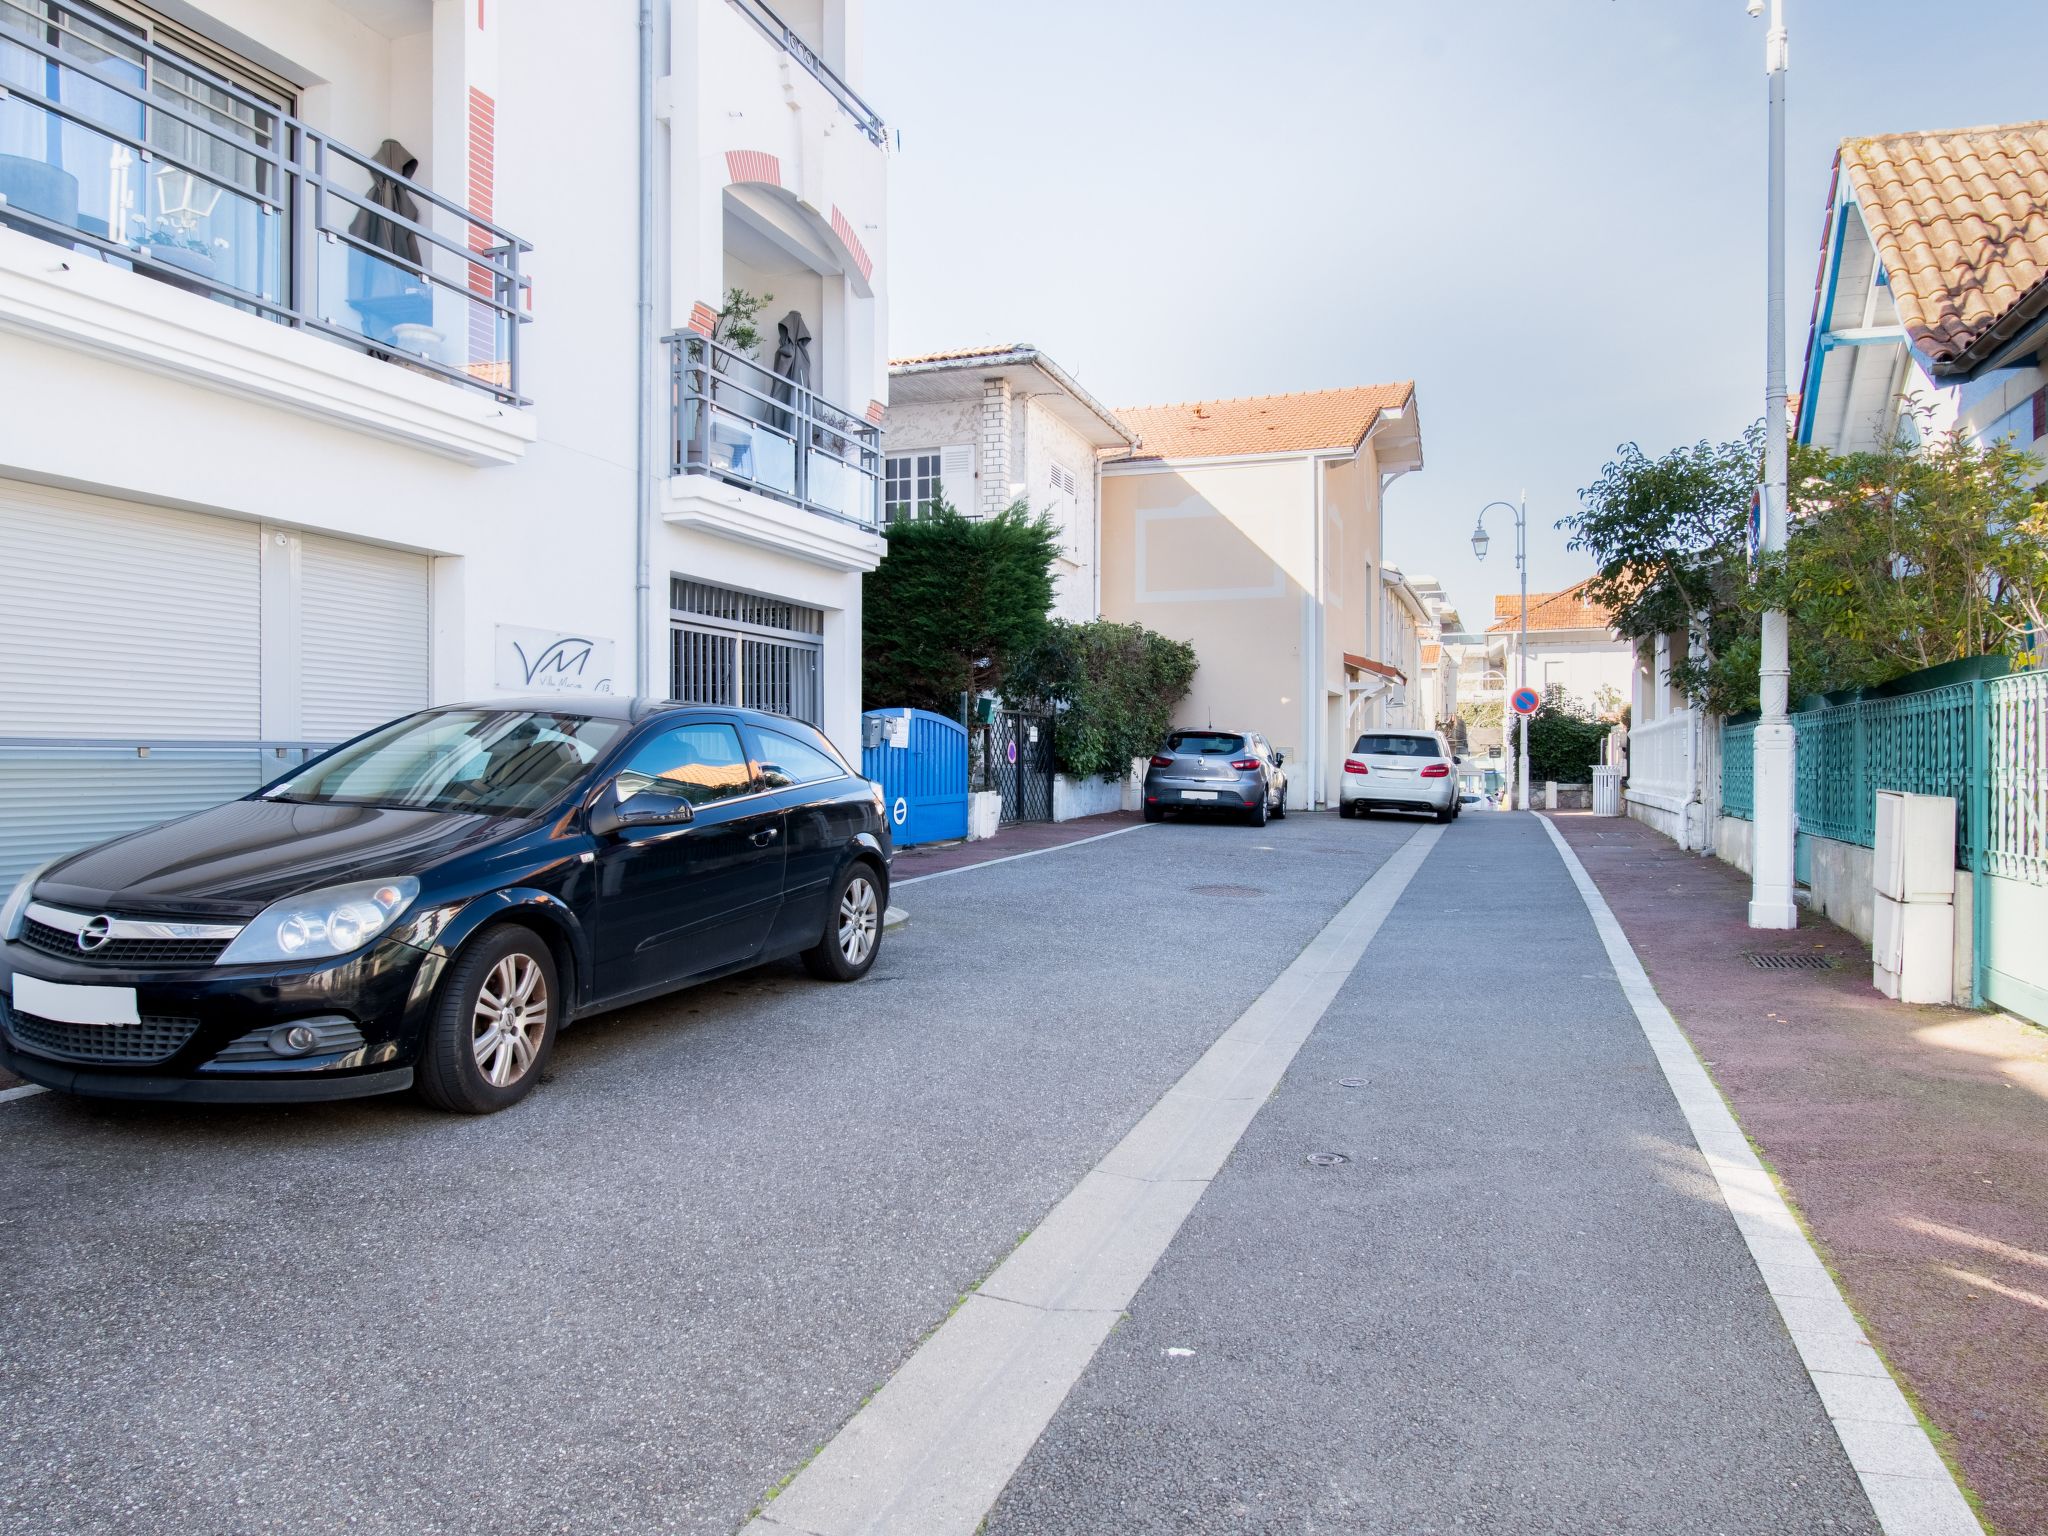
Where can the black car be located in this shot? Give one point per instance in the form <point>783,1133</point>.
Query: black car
<point>426,906</point>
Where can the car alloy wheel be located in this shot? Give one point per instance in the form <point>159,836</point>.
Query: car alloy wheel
<point>860,918</point>
<point>510,1020</point>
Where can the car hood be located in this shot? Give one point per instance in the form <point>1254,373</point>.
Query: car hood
<point>235,859</point>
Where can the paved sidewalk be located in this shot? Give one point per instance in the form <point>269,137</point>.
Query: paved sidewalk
<point>1914,1142</point>
<point>1018,837</point>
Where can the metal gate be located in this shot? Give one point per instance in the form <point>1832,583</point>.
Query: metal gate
<point>1018,747</point>
<point>729,647</point>
<point>920,760</point>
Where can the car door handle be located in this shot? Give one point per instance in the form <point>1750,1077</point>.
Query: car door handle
<point>765,836</point>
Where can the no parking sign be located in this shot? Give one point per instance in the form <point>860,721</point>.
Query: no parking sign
<point>1525,701</point>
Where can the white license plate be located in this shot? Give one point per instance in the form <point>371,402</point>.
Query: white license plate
<point>1198,794</point>
<point>74,1005</point>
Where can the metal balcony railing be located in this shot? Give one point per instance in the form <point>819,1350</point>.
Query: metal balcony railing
<point>147,159</point>
<point>750,426</point>
<point>778,31</point>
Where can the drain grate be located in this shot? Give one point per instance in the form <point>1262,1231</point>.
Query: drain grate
<point>1766,960</point>
<point>1226,890</point>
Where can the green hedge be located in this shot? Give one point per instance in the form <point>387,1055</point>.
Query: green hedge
<point>1116,687</point>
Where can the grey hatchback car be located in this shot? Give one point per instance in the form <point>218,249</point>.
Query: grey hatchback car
<point>1235,771</point>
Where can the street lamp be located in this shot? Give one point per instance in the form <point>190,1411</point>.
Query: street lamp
<point>1480,543</point>
<point>1775,827</point>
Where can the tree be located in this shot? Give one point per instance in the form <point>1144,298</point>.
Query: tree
<point>1564,739</point>
<point>1899,559</point>
<point>954,603</point>
<point>1116,687</point>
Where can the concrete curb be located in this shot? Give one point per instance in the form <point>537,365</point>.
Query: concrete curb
<point>1908,1485</point>
<point>931,1452</point>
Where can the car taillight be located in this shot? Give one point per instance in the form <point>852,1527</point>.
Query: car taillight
<point>1354,765</point>
<point>1161,760</point>
<point>1243,764</point>
<point>1437,771</point>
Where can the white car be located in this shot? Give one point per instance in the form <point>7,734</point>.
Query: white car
<point>1397,770</point>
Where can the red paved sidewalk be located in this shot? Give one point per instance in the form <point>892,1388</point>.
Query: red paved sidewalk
<point>1018,837</point>
<point>1913,1141</point>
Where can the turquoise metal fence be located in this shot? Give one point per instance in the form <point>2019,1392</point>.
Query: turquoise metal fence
<point>2015,813</point>
<point>1738,768</point>
<point>1962,730</point>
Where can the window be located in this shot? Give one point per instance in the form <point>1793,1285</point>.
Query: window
<point>1205,743</point>
<point>503,762</point>
<point>698,763</point>
<point>787,762</point>
<point>1399,746</point>
<point>1065,508</point>
<point>909,485</point>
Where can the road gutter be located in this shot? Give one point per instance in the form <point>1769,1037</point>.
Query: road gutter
<point>1910,1488</point>
<point>933,1449</point>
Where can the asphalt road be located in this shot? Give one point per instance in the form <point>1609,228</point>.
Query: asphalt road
<point>1519,1307</point>
<point>638,1301</point>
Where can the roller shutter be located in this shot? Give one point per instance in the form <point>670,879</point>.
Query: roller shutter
<point>362,638</point>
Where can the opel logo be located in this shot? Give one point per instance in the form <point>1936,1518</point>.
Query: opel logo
<point>96,932</point>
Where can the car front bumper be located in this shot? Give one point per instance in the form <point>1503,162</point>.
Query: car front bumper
<point>1396,793</point>
<point>377,999</point>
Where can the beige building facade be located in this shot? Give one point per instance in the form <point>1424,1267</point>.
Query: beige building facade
<point>1252,529</point>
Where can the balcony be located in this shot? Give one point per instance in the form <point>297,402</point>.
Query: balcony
<point>156,175</point>
<point>786,37</point>
<point>739,424</point>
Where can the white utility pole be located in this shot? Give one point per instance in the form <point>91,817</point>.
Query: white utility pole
<point>1775,829</point>
<point>1511,733</point>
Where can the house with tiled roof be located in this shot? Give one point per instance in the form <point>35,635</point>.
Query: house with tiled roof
<point>988,426</point>
<point>1570,645</point>
<point>1252,528</point>
<point>1930,306</point>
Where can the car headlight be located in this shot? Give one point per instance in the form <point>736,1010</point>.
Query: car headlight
<point>16,906</point>
<point>322,924</point>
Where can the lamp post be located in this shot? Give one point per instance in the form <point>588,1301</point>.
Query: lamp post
<point>1520,509</point>
<point>1775,827</point>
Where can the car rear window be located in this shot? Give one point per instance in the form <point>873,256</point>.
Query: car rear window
<point>1204,743</point>
<point>1397,746</point>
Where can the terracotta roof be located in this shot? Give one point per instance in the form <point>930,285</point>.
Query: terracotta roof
<point>1569,609</point>
<point>1430,654</point>
<point>1960,218</point>
<point>1297,423</point>
<point>1002,349</point>
<point>1378,668</point>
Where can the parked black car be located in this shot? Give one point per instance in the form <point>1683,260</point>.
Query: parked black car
<point>429,904</point>
<point>1209,770</point>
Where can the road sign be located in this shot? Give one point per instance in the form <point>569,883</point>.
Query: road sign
<point>900,812</point>
<point>1524,702</point>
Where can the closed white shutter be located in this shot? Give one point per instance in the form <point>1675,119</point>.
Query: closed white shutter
<point>362,636</point>
<point>956,477</point>
<point>126,624</point>
<point>120,620</point>
<point>1065,508</point>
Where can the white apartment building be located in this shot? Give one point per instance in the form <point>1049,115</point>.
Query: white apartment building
<point>994,425</point>
<point>343,376</point>
<point>1404,625</point>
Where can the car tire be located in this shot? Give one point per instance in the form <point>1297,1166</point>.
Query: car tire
<point>846,950</point>
<point>1445,816</point>
<point>1258,816</point>
<point>1280,807</point>
<point>1154,813</point>
<point>494,1024</point>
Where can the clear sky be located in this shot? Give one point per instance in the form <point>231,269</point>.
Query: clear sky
<point>1548,213</point>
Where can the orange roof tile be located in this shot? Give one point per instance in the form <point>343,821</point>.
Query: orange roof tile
<point>1296,423</point>
<point>1569,609</point>
<point>1960,218</point>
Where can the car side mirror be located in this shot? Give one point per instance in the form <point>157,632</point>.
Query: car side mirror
<point>609,814</point>
<point>1279,759</point>
<point>1457,758</point>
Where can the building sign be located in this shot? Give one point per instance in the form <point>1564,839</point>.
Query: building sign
<point>551,661</point>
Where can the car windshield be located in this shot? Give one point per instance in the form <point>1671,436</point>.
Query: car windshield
<point>1397,746</point>
<point>1204,743</point>
<point>503,762</point>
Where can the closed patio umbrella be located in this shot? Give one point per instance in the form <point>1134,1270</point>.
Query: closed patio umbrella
<point>386,192</point>
<point>792,361</point>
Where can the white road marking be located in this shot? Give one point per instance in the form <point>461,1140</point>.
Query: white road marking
<point>1028,853</point>
<point>27,1090</point>
<point>1906,1481</point>
<point>929,1453</point>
